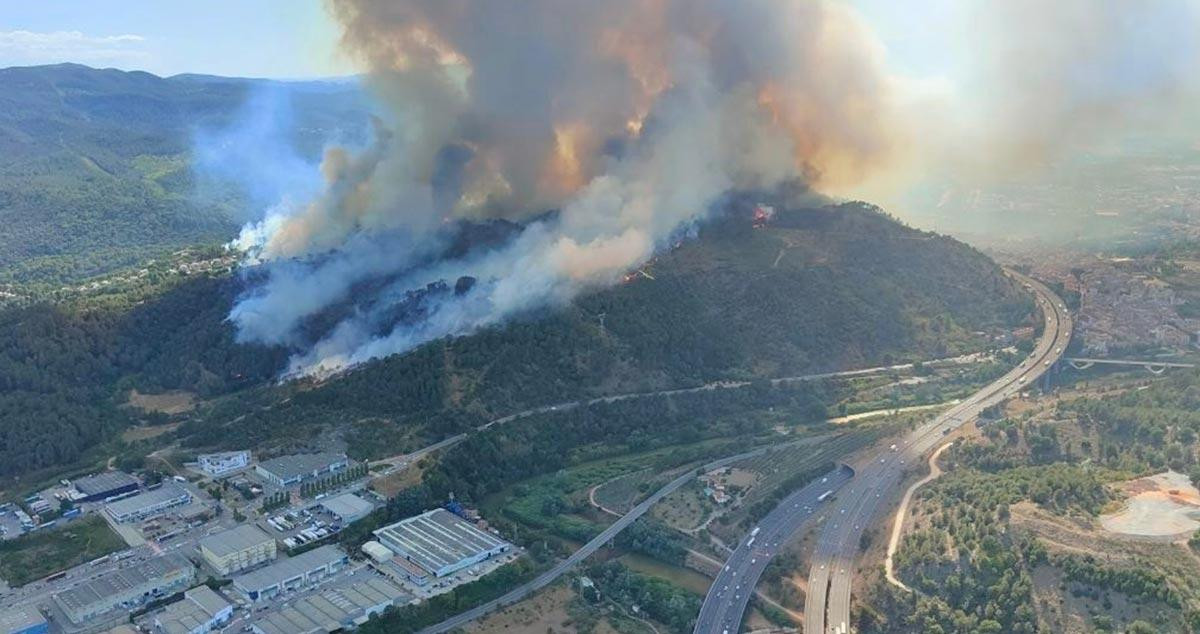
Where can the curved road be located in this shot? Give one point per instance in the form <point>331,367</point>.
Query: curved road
<point>827,606</point>
<point>548,577</point>
<point>394,463</point>
<point>730,592</point>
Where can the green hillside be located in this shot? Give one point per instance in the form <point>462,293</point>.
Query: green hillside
<point>851,288</point>
<point>96,165</point>
<point>820,289</point>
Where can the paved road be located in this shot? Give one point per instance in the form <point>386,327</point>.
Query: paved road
<point>548,577</point>
<point>730,592</point>
<point>394,463</point>
<point>827,607</point>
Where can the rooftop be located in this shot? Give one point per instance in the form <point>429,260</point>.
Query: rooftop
<point>234,540</point>
<point>290,568</point>
<point>168,491</point>
<point>103,482</point>
<point>199,606</point>
<point>119,581</point>
<point>16,619</point>
<point>348,505</point>
<point>220,455</point>
<point>300,464</point>
<point>331,609</point>
<point>438,538</point>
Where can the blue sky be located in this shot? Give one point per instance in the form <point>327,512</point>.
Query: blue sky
<point>296,38</point>
<point>258,38</point>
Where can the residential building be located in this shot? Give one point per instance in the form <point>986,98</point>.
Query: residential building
<point>219,464</point>
<point>127,587</point>
<point>148,503</point>
<point>238,548</point>
<point>288,574</point>
<point>440,542</point>
<point>201,610</point>
<point>290,470</point>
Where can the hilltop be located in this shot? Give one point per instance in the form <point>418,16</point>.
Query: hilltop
<point>817,289</point>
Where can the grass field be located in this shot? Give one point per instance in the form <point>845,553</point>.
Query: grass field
<point>42,553</point>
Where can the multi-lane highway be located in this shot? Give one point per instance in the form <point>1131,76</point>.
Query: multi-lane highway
<point>548,577</point>
<point>730,592</point>
<point>827,607</point>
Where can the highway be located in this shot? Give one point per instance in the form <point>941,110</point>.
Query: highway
<point>827,606</point>
<point>730,592</point>
<point>605,536</point>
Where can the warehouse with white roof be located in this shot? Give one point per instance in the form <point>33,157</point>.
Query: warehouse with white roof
<point>441,542</point>
<point>297,572</point>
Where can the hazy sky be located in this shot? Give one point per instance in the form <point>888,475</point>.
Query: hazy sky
<point>259,38</point>
<point>296,38</point>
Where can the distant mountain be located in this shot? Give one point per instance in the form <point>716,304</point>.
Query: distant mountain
<point>95,165</point>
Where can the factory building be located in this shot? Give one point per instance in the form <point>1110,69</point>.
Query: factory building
<point>148,503</point>
<point>225,462</point>
<point>102,486</point>
<point>237,549</point>
<point>348,508</point>
<point>336,609</point>
<point>23,620</point>
<point>201,610</point>
<point>440,542</point>
<point>289,470</point>
<point>128,587</point>
<point>288,574</point>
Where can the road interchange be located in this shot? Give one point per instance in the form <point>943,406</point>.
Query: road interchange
<point>827,606</point>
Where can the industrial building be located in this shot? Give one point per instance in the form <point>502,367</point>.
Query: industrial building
<point>148,503</point>
<point>102,486</point>
<point>201,610</point>
<point>440,542</point>
<point>23,620</point>
<point>238,548</point>
<point>332,610</point>
<point>225,462</point>
<point>128,587</point>
<point>296,572</point>
<point>288,470</point>
<point>348,508</point>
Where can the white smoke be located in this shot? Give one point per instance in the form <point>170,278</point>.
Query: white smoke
<point>631,118</point>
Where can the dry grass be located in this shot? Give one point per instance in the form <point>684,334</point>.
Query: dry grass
<point>134,434</point>
<point>171,403</point>
<point>544,612</point>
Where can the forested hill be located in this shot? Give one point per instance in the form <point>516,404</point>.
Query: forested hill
<point>818,289</point>
<point>96,165</point>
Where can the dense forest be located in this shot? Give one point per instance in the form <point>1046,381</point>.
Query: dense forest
<point>824,289</point>
<point>98,168</point>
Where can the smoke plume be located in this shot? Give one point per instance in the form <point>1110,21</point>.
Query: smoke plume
<point>628,120</point>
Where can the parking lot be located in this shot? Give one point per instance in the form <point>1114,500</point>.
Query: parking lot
<point>301,526</point>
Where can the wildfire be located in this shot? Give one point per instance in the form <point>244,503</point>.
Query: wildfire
<point>762,215</point>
